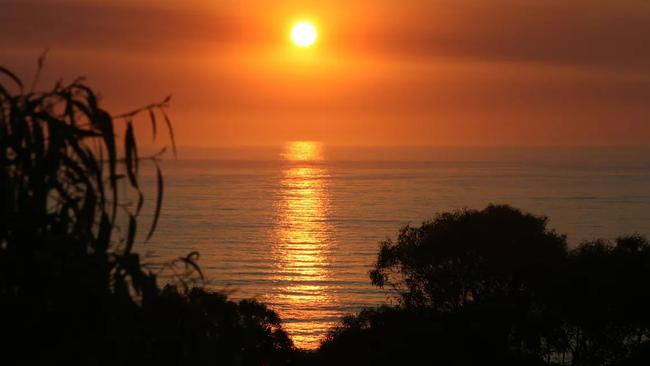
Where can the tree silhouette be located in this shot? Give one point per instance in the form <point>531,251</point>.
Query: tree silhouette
<point>491,286</point>
<point>72,289</point>
<point>496,286</point>
<point>605,298</point>
<point>469,256</point>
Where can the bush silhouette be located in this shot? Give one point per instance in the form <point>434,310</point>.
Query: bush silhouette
<point>72,290</point>
<point>496,286</point>
<point>472,287</point>
<point>469,256</point>
<point>605,299</point>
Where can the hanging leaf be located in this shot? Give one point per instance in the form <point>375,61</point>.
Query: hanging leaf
<point>131,157</point>
<point>152,117</point>
<point>130,238</point>
<point>190,261</point>
<point>158,202</point>
<point>171,132</point>
<point>12,76</point>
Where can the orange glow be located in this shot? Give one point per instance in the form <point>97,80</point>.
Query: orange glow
<point>434,73</point>
<point>302,253</point>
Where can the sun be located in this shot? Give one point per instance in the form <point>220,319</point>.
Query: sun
<point>303,34</point>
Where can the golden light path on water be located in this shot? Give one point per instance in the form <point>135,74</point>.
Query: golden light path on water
<point>301,253</point>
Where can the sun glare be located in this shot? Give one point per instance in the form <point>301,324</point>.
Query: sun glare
<point>303,151</point>
<point>303,34</point>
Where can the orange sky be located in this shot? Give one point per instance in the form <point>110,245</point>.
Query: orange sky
<point>435,72</point>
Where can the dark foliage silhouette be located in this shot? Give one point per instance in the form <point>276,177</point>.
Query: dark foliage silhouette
<point>469,257</point>
<point>496,286</point>
<point>72,289</point>
<point>472,287</point>
<point>605,300</point>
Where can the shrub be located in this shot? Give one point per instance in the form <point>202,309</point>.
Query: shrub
<point>72,289</point>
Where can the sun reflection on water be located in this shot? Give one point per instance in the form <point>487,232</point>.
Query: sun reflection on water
<point>302,245</point>
<point>303,151</point>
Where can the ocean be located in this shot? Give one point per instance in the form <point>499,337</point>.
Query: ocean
<point>298,227</point>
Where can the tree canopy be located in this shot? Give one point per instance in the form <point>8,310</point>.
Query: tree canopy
<point>469,256</point>
<point>497,286</point>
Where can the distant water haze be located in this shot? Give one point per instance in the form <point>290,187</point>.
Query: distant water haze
<point>586,155</point>
<point>297,226</point>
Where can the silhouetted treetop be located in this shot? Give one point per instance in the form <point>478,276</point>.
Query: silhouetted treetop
<point>466,256</point>
<point>496,286</point>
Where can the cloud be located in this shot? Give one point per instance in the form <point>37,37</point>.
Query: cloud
<point>580,32</point>
<point>601,33</point>
<point>41,24</point>
<point>425,71</point>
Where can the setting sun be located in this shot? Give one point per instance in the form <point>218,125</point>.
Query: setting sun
<point>333,182</point>
<point>303,34</point>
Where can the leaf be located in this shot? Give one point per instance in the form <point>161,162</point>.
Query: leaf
<point>105,124</point>
<point>158,203</point>
<point>190,260</point>
<point>91,99</point>
<point>82,107</point>
<point>4,92</point>
<point>152,117</point>
<point>140,203</point>
<point>39,140</point>
<point>131,157</point>
<point>104,233</point>
<point>39,69</point>
<point>130,239</point>
<point>88,208</point>
<point>12,76</point>
<point>171,132</point>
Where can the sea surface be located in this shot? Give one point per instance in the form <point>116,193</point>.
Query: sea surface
<point>298,227</point>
